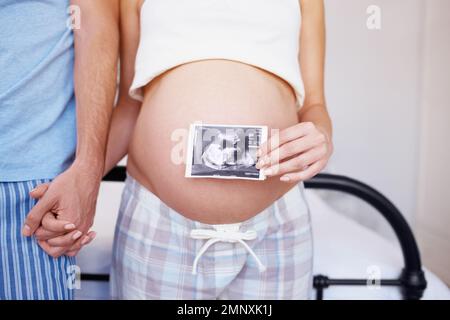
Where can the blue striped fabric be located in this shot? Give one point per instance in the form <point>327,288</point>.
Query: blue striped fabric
<point>26,271</point>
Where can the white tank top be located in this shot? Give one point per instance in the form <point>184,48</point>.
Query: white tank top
<point>261,33</point>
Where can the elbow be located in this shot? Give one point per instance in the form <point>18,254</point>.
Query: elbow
<point>97,32</point>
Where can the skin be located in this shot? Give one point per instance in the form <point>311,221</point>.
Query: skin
<point>297,152</point>
<point>231,94</point>
<point>127,109</point>
<point>65,211</point>
<point>313,114</point>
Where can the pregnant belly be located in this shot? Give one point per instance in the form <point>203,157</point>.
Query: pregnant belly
<point>211,92</point>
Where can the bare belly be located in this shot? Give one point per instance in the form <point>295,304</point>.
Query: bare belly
<point>213,92</point>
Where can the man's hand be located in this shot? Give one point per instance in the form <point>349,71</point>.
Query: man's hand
<point>65,212</point>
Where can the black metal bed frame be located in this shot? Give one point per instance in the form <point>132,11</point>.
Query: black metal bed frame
<point>412,278</point>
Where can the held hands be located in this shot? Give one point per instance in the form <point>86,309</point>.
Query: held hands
<point>296,154</point>
<point>64,213</point>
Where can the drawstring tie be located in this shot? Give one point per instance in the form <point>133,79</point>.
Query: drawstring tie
<point>224,233</point>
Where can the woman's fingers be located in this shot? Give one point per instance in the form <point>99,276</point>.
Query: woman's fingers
<point>287,150</point>
<point>55,252</point>
<point>66,240</point>
<point>296,164</point>
<point>58,246</point>
<point>281,137</point>
<point>44,234</point>
<point>59,227</point>
<point>88,238</point>
<point>52,227</point>
<point>297,153</point>
<point>306,174</point>
<point>83,241</point>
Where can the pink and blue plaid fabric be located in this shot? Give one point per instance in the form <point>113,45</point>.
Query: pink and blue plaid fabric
<point>154,252</point>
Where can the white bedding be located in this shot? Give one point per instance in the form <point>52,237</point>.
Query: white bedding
<point>343,249</point>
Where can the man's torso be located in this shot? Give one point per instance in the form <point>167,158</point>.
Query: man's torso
<point>37,106</point>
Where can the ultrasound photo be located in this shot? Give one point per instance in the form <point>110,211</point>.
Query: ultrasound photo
<point>224,151</point>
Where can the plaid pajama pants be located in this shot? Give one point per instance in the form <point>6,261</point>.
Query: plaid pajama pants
<point>159,254</point>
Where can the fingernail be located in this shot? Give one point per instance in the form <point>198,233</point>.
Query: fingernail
<point>26,231</point>
<point>89,238</point>
<point>69,226</point>
<point>33,190</point>
<point>258,153</point>
<point>77,235</point>
<point>263,162</point>
<point>85,240</point>
<point>268,172</point>
<point>285,179</point>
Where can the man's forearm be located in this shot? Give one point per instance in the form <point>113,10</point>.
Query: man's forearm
<point>95,74</point>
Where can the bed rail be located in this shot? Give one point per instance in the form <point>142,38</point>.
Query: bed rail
<point>412,278</point>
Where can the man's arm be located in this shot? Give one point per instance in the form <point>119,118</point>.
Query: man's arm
<point>96,55</point>
<point>95,75</point>
<point>72,195</point>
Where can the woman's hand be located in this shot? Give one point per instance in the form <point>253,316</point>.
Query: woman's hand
<point>297,153</point>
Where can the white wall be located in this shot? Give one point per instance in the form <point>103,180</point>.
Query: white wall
<point>373,85</point>
<point>433,218</point>
<point>388,93</point>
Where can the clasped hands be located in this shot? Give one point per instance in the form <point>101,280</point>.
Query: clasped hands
<point>64,214</point>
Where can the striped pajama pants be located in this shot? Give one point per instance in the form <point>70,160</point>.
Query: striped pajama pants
<point>26,271</point>
<point>160,254</point>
